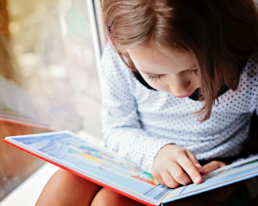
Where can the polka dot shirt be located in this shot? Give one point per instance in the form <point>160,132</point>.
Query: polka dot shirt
<point>138,121</point>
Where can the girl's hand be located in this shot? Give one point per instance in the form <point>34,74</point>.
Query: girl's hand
<point>171,162</point>
<point>212,166</point>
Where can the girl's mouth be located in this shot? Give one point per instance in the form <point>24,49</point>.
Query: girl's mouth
<point>188,95</point>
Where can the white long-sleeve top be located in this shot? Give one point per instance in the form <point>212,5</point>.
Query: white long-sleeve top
<point>138,121</point>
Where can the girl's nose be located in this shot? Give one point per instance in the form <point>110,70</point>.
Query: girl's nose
<point>180,88</point>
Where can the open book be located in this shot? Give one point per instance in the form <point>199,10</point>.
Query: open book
<point>106,168</point>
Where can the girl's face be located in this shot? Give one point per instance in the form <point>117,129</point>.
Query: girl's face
<point>175,73</point>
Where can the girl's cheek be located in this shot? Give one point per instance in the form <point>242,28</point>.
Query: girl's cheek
<point>196,81</point>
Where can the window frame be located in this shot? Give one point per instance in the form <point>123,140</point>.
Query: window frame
<point>95,18</point>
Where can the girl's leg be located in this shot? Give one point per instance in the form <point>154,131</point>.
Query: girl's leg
<point>106,197</point>
<point>67,189</point>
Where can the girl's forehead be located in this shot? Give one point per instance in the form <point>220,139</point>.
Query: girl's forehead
<point>154,59</point>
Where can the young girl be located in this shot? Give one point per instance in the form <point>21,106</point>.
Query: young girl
<point>179,83</point>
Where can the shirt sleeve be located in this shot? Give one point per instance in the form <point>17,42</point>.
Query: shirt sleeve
<point>121,125</point>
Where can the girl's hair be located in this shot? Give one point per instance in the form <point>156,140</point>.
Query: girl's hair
<point>220,34</point>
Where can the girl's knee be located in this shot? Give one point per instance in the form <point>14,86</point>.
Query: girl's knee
<point>68,179</point>
<point>106,197</point>
<point>69,189</point>
<point>61,177</point>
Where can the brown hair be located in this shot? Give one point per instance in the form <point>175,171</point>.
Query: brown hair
<point>220,33</point>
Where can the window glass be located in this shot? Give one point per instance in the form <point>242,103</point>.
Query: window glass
<point>52,45</point>
<point>48,77</point>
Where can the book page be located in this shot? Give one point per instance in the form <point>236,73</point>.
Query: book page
<point>218,178</point>
<point>95,162</point>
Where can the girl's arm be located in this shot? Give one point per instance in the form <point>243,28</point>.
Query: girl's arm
<point>121,125</point>
<point>123,132</point>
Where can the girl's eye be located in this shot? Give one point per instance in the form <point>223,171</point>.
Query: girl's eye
<point>194,70</point>
<point>155,78</point>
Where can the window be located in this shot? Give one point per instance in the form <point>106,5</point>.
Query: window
<point>48,76</point>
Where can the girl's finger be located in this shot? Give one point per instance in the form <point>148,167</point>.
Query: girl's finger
<point>178,174</point>
<point>193,158</point>
<point>212,166</point>
<point>189,168</point>
<point>169,180</point>
<point>160,180</point>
